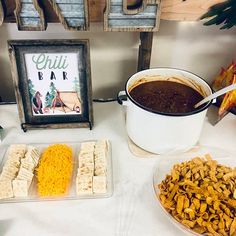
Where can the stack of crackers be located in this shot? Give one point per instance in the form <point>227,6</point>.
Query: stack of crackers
<point>17,172</point>
<point>92,171</point>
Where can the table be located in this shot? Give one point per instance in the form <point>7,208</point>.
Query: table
<point>132,210</point>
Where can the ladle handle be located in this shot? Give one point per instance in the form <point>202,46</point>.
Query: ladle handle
<point>216,94</point>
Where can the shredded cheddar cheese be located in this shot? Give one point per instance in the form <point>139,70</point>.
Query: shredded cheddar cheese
<point>55,170</point>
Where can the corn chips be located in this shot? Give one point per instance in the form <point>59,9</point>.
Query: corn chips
<point>201,194</point>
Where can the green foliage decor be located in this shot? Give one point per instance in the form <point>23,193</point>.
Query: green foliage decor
<point>31,89</point>
<point>50,95</point>
<point>222,13</point>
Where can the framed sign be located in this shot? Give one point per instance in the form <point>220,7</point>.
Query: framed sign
<point>52,82</point>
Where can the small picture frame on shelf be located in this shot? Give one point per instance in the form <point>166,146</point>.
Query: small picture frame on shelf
<point>52,80</point>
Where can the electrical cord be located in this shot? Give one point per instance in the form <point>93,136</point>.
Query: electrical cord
<point>103,100</point>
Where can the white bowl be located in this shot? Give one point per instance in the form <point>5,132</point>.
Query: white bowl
<point>167,162</point>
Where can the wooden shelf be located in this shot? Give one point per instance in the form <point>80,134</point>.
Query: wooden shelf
<point>180,10</point>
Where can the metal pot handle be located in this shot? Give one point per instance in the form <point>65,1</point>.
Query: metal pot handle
<point>122,98</point>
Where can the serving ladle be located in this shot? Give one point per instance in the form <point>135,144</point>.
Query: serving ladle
<point>215,95</point>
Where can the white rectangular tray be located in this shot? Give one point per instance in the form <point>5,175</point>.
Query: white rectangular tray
<point>71,195</point>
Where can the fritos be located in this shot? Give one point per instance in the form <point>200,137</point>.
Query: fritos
<point>201,194</point>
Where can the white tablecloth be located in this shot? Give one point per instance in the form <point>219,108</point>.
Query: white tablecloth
<point>132,210</point>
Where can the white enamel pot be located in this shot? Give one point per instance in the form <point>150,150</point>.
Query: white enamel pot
<point>159,132</point>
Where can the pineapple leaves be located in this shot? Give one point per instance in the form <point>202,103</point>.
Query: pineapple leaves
<point>221,13</point>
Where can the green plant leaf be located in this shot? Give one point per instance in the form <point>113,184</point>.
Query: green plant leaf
<point>221,13</point>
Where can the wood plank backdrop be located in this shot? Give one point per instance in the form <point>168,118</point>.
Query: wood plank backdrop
<point>181,10</point>
<point>188,10</point>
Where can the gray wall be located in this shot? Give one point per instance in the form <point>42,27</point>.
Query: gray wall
<point>187,45</point>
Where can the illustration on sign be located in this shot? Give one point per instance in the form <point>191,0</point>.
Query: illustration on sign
<point>53,82</point>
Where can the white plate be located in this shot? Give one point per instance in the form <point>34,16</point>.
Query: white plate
<point>166,163</point>
<point>33,196</point>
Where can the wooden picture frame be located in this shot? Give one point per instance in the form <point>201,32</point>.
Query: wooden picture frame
<point>52,80</point>
<point>1,13</point>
